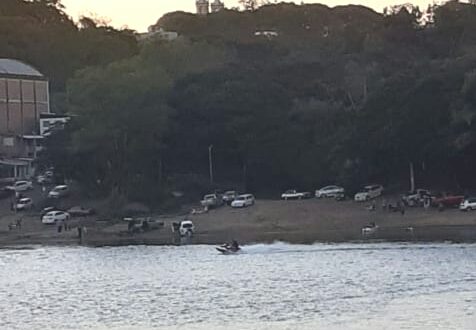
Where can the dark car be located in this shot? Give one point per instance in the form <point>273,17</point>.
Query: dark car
<point>447,200</point>
<point>6,193</point>
<point>79,211</point>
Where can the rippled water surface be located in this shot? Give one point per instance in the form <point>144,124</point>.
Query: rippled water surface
<point>278,286</point>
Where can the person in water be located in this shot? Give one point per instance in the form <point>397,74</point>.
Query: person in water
<point>234,245</point>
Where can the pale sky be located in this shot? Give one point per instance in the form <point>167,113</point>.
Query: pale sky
<point>139,14</point>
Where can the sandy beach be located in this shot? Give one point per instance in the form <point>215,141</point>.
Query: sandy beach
<point>298,221</point>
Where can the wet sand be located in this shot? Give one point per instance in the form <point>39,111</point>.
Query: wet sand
<point>303,221</point>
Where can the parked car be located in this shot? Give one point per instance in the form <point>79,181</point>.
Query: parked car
<point>294,194</point>
<point>416,198</point>
<point>369,192</point>
<point>329,191</point>
<point>229,196</point>
<point>24,204</point>
<point>48,209</point>
<point>212,200</point>
<point>21,186</point>
<point>59,191</point>
<point>469,204</point>
<point>6,193</point>
<point>186,228</point>
<point>45,178</point>
<point>54,216</point>
<point>447,200</point>
<point>243,201</point>
<point>79,211</point>
<point>143,224</point>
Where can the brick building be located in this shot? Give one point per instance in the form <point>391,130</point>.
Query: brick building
<point>24,95</point>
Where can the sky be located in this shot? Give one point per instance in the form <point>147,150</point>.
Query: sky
<point>139,14</point>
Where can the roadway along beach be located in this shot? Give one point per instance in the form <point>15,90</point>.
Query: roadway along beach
<point>303,221</point>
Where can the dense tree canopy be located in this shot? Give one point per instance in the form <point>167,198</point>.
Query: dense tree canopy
<point>40,33</point>
<point>343,95</point>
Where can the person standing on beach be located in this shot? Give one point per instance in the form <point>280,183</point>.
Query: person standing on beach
<point>427,202</point>
<point>59,225</point>
<point>18,223</point>
<point>402,208</point>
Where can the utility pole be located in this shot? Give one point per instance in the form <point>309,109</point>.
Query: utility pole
<point>210,162</point>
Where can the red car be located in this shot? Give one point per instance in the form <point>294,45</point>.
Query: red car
<point>447,200</point>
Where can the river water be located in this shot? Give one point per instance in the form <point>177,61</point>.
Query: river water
<point>277,286</point>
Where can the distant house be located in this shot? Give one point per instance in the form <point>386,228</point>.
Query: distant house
<point>159,34</point>
<point>24,96</point>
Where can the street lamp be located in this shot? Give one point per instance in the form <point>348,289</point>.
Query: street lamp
<point>210,162</point>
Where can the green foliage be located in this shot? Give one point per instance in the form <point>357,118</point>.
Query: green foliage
<point>40,33</point>
<point>343,95</point>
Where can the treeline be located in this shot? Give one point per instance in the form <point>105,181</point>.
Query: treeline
<point>40,33</point>
<point>343,95</point>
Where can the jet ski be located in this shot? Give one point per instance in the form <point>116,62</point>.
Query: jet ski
<point>226,248</point>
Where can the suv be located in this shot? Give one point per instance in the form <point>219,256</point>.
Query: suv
<point>186,228</point>
<point>416,198</point>
<point>211,200</point>
<point>243,201</point>
<point>469,204</point>
<point>447,200</point>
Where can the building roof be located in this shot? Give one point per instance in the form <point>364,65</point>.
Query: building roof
<point>13,162</point>
<point>9,67</point>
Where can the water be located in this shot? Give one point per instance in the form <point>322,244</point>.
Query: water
<point>278,286</point>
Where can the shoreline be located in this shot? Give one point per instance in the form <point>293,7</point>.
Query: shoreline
<point>441,234</point>
<point>294,222</point>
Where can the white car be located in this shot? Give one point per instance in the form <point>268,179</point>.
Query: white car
<point>53,216</point>
<point>469,204</point>
<point>329,191</point>
<point>186,228</point>
<point>294,194</point>
<point>369,192</point>
<point>24,204</point>
<point>59,191</point>
<point>243,201</point>
<point>21,186</point>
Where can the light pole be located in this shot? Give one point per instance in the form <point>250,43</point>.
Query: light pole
<point>210,162</point>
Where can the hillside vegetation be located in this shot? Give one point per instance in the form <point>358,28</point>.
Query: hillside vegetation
<point>343,95</point>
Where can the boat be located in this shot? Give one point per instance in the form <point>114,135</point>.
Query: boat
<point>229,248</point>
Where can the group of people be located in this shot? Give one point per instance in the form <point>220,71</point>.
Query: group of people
<point>62,224</point>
